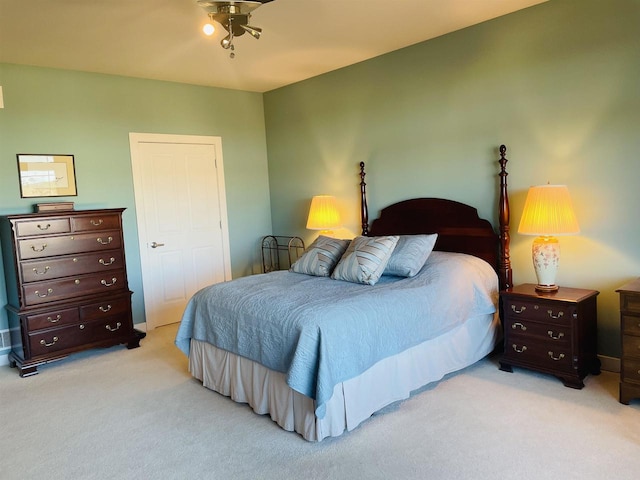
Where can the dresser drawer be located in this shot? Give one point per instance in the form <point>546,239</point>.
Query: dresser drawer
<point>38,293</point>
<point>54,318</point>
<point>69,244</point>
<point>526,329</point>
<point>541,355</point>
<point>39,270</point>
<point>555,312</point>
<point>105,308</point>
<point>42,226</point>
<point>95,222</point>
<point>75,337</point>
<point>631,324</point>
<point>630,346</point>
<point>631,371</point>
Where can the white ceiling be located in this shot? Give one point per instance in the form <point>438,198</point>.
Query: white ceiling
<point>163,40</point>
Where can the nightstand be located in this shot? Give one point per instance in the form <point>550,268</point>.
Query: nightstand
<point>551,332</point>
<point>630,329</point>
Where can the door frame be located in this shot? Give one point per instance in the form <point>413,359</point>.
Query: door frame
<point>135,139</point>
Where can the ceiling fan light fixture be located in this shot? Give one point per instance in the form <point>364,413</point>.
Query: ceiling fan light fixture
<point>255,32</point>
<point>234,17</point>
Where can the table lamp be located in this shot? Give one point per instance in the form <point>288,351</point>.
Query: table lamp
<point>548,213</point>
<point>323,214</point>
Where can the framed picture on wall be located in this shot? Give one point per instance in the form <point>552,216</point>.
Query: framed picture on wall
<point>46,175</point>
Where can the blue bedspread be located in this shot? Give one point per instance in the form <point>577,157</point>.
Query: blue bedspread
<point>320,332</point>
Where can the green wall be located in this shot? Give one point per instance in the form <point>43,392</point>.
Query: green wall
<point>558,83</point>
<point>90,116</point>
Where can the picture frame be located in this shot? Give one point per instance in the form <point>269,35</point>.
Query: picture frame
<point>46,175</point>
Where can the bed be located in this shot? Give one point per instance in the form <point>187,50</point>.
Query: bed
<point>322,347</point>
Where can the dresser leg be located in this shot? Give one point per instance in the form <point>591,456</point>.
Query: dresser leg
<point>28,371</point>
<point>135,340</point>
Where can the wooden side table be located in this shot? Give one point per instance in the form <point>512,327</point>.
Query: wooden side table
<point>551,332</point>
<point>630,330</point>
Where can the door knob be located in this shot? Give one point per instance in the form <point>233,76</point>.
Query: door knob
<point>156,245</point>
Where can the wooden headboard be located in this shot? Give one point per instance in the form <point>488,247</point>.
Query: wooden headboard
<point>458,225</point>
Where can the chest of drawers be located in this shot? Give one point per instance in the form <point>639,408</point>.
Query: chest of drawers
<point>551,332</point>
<point>66,285</point>
<point>630,330</point>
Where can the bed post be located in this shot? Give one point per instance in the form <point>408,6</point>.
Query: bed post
<point>364,209</point>
<point>504,262</point>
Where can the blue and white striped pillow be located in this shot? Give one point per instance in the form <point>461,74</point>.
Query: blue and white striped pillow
<point>410,255</point>
<point>321,256</point>
<point>365,259</point>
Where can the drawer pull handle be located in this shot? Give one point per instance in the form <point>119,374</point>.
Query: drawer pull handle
<point>105,263</point>
<point>104,309</point>
<point>515,347</point>
<point>513,307</point>
<point>111,329</point>
<point>559,357</point>
<point>81,326</point>
<point>555,337</point>
<point>519,325</point>
<point>41,249</point>
<point>44,295</point>
<point>43,342</point>
<point>46,227</point>
<point>35,270</point>
<point>551,315</point>
<point>54,320</point>
<point>103,242</point>
<point>113,281</point>
<point>96,224</point>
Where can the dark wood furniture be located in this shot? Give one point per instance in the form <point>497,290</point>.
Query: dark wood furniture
<point>630,330</point>
<point>458,226</point>
<point>66,285</point>
<point>551,332</point>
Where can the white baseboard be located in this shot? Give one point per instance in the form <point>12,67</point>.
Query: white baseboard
<point>609,364</point>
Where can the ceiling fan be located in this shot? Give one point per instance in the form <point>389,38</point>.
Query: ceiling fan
<point>234,17</point>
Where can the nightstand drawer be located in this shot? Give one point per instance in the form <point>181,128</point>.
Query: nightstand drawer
<point>630,303</point>
<point>555,312</point>
<point>539,354</point>
<point>524,328</point>
<point>630,346</point>
<point>631,324</point>
<point>631,371</point>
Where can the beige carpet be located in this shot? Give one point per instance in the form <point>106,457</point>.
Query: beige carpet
<point>125,414</point>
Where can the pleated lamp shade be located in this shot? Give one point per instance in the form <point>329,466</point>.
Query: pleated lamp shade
<point>323,213</point>
<point>548,211</point>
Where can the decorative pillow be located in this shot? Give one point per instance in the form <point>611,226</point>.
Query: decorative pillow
<point>410,254</point>
<point>321,256</point>
<point>365,259</point>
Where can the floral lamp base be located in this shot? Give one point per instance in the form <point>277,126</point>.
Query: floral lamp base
<point>546,256</point>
